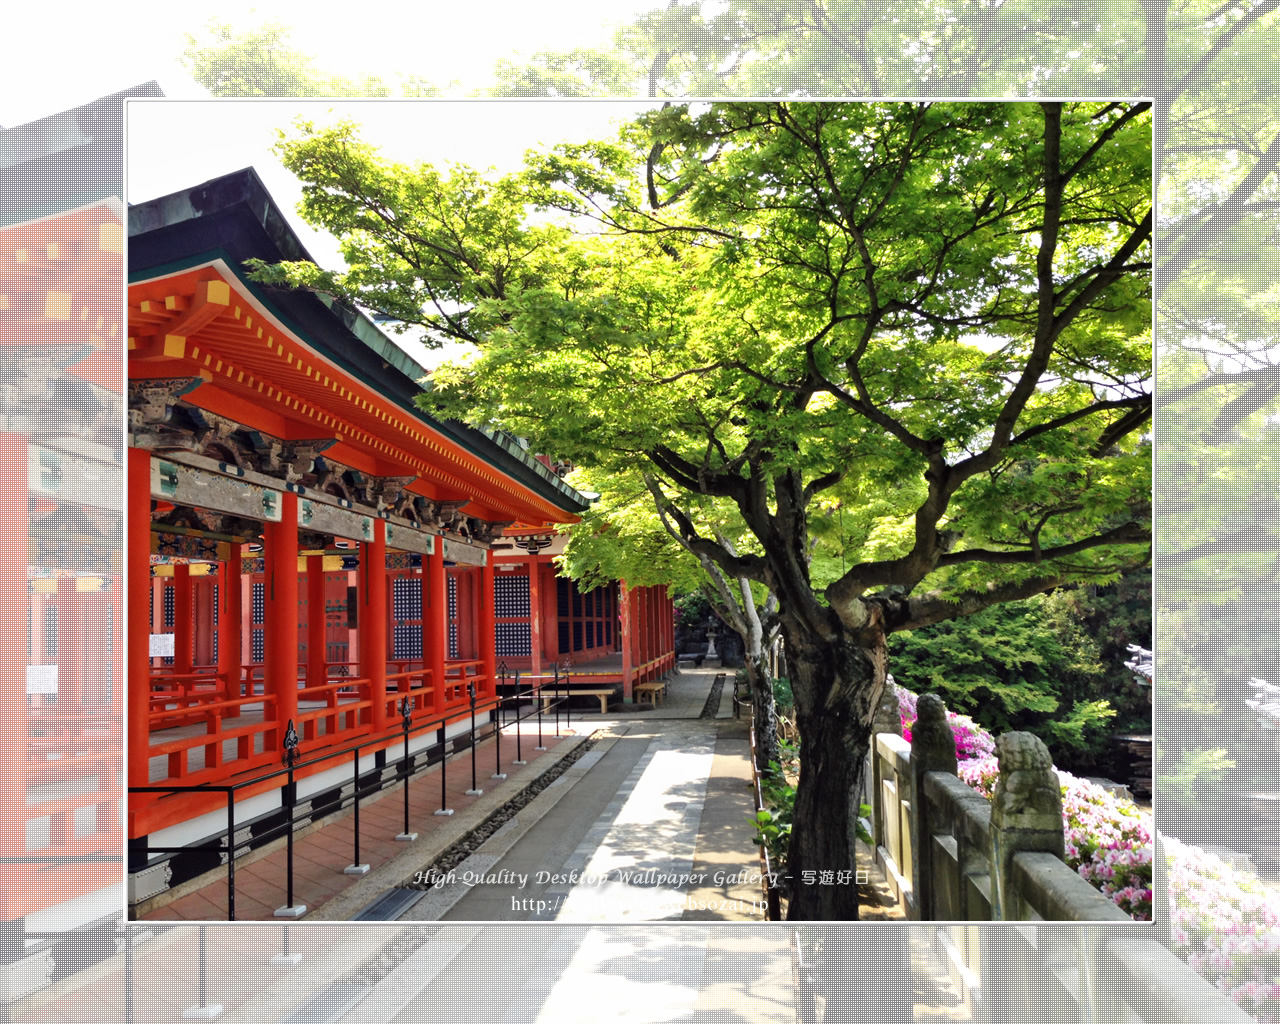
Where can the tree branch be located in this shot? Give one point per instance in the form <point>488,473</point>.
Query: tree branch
<point>1129,533</point>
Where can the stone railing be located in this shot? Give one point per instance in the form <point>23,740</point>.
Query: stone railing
<point>952,855</point>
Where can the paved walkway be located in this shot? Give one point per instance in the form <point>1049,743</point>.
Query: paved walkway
<point>647,845</point>
<point>653,818</point>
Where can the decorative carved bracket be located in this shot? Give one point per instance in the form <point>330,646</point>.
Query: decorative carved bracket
<point>484,532</point>
<point>384,492</point>
<point>292,460</point>
<point>151,402</point>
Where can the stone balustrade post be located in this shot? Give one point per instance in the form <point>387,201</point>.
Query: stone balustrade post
<point>886,718</point>
<point>1026,815</point>
<point>933,749</point>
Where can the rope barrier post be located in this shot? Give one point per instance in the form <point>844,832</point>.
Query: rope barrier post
<point>471,692</point>
<point>291,757</point>
<point>128,975</point>
<point>567,710</point>
<point>445,810</point>
<point>286,957</point>
<point>355,867</point>
<point>519,756</point>
<point>498,773</point>
<point>537,699</point>
<point>203,1010</point>
<point>406,718</point>
<point>231,854</point>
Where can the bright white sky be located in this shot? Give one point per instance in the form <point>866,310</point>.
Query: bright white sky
<point>55,57</point>
<point>172,145</point>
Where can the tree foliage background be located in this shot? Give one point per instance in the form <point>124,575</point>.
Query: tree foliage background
<point>1207,66</point>
<point>933,315</point>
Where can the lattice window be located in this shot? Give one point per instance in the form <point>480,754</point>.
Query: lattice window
<point>50,630</point>
<point>258,603</point>
<point>406,611</point>
<point>215,606</point>
<point>168,599</point>
<point>512,640</point>
<point>453,615</point>
<point>577,636</point>
<point>406,599</point>
<point>257,645</point>
<point>511,596</point>
<point>406,642</point>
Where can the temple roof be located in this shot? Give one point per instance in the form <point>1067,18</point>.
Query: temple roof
<point>227,220</point>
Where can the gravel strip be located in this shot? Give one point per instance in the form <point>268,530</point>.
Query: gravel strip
<point>466,846</point>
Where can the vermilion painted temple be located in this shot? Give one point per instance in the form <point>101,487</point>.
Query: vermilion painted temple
<point>61,594</point>
<point>306,546</point>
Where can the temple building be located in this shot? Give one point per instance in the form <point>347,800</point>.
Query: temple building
<point>61,587</point>
<point>309,555</point>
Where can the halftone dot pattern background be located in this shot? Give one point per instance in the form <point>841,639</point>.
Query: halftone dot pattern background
<point>1208,68</point>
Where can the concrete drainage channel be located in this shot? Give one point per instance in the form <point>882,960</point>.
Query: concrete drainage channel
<point>391,905</point>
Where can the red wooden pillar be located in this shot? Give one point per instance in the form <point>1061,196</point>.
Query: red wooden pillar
<point>140,595</point>
<point>182,609</point>
<point>114,634</point>
<point>280,619</point>
<point>371,624</point>
<point>535,619</point>
<point>486,641</point>
<point>317,663</point>
<point>435,621</point>
<point>202,619</point>
<point>424,627</point>
<point>550,612</point>
<point>70,636</point>
<point>230,598</point>
<point>13,656</point>
<point>667,613</point>
<point>625,626</point>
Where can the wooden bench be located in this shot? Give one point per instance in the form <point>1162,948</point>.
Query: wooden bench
<point>654,691</point>
<point>604,694</point>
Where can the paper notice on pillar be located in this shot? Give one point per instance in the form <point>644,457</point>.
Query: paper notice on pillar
<point>42,679</point>
<point>161,645</point>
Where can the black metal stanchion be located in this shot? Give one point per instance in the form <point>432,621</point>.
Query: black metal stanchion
<point>519,756</point>
<point>556,690</point>
<point>498,773</point>
<point>231,854</point>
<point>291,757</point>
<point>204,1010</point>
<point>471,692</point>
<point>406,719</point>
<point>445,810</point>
<point>355,867</point>
<point>286,957</point>
<point>537,699</point>
<point>128,975</point>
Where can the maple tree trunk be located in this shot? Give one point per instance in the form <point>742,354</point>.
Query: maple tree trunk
<point>833,683</point>
<point>763,710</point>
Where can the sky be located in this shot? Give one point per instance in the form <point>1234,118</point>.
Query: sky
<point>50,64</point>
<point>172,145</point>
